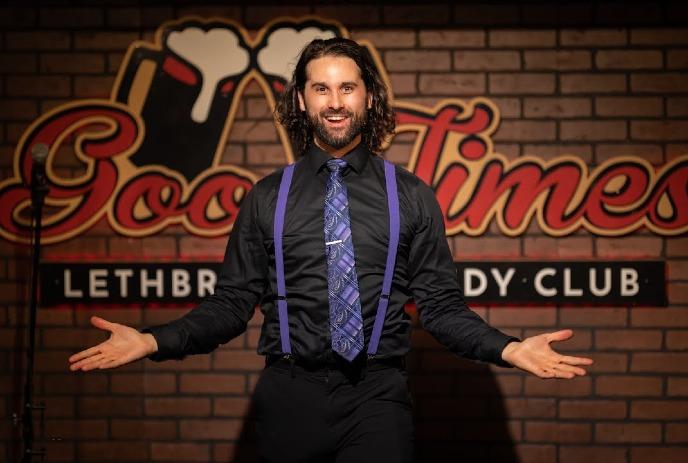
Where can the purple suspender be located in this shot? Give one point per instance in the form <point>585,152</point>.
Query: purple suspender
<point>280,209</point>
<point>279,256</point>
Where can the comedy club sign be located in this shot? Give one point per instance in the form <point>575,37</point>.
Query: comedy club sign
<point>150,157</point>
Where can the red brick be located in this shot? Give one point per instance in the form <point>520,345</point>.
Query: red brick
<point>654,454</point>
<point>211,383</point>
<point>18,109</point>
<point>451,38</point>
<point>418,60</point>
<point>628,432</point>
<point>527,83</point>
<point>628,59</point>
<point>534,453</point>
<point>487,60</point>
<point>387,38</point>
<point>403,83</point>
<point>231,406</point>
<point>660,362</point>
<point>677,293</point>
<point>600,316</point>
<point>76,248</point>
<point>625,385</point>
<point>227,429</point>
<point>659,409</point>
<point>593,130</point>
<point>93,86</point>
<point>677,247</point>
<point>118,451</point>
<point>485,247</point>
<point>76,383</point>
<point>592,409</point>
<point>127,248</point>
<point>71,17</point>
<point>663,36</point>
<point>454,84</point>
<point>36,86</point>
<point>629,246</point>
<point>516,317</point>
<point>563,60</point>
<point>253,131</point>
<point>677,59</point>
<point>177,406</point>
<point>60,407</point>
<point>77,63</point>
<point>522,38</point>
<point>557,107</point>
<point>76,338</point>
<point>659,317</point>
<point>628,339</point>
<point>597,37</point>
<point>17,63</point>
<point>110,406</point>
<point>668,82</point>
<point>238,360</point>
<point>676,269</point>
<point>526,408</point>
<point>628,106</point>
<point>37,40</point>
<point>677,106</point>
<point>677,340</point>
<point>81,429</point>
<point>525,130</point>
<point>676,433</point>
<point>593,83</point>
<point>659,130</point>
<point>580,386</point>
<point>271,154</point>
<point>108,40</point>
<point>416,14</point>
<point>180,452</point>
<point>590,454</point>
<point>552,431</point>
<point>143,429</point>
<point>148,383</point>
<point>192,246</point>
<point>123,316</point>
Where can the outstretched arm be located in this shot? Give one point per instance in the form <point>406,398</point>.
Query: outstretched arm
<point>535,356</point>
<point>125,345</point>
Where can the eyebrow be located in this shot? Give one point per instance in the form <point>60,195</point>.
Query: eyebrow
<point>323,84</point>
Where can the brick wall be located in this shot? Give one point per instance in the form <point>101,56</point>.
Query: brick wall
<point>595,80</point>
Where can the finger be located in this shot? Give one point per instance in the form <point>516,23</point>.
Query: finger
<point>561,335</point>
<point>85,353</point>
<point>576,360</point>
<point>575,371</point>
<point>85,363</point>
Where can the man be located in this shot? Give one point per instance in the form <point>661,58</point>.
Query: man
<point>334,389</point>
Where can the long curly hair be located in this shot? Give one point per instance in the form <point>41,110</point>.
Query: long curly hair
<point>379,123</point>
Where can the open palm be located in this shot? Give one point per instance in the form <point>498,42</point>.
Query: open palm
<point>125,345</point>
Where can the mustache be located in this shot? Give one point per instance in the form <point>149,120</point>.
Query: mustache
<point>341,112</point>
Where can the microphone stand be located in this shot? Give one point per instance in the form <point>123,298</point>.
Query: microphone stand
<point>39,190</point>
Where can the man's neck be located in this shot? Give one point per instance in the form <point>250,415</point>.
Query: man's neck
<point>337,153</point>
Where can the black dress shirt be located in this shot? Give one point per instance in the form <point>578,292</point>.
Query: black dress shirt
<point>424,270</point>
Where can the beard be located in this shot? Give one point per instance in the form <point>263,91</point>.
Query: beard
<point>337,139</point>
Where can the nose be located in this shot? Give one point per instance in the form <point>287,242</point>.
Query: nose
<point>335,101</point>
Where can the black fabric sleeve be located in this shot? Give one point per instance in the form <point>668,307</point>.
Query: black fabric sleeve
<point>434,284</point>
<point>224,315</point>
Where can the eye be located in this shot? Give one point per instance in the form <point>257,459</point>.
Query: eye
<point>320,89</point>
<point>347,89</point>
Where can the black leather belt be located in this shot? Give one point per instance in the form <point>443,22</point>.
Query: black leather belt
<point>361,364</point>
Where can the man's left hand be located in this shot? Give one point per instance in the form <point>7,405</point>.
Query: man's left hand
<point>535,355</point>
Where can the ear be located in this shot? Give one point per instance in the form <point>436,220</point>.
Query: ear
<point>302,103</point>
<point>370,100</point>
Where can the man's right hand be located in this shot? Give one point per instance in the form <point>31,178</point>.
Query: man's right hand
<point>125,345</point>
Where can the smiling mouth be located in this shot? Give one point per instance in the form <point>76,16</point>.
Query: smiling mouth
<point>336,120</point>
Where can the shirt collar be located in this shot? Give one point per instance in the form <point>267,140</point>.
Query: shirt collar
<point>356,158</point>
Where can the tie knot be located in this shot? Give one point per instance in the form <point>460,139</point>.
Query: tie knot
<point>336,165</point>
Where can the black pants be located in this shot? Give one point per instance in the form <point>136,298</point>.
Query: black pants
<point>330,415</point>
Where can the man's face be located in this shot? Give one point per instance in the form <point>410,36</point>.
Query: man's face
<point>336,102</point>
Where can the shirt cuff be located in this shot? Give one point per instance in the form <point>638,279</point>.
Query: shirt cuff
<point>493,346</point>
<point>166,337</point>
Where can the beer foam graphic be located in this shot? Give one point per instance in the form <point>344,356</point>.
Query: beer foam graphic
<point>216,53</point>
<point>279,56</point>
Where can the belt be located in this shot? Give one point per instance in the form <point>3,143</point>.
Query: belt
<point>361,364</point>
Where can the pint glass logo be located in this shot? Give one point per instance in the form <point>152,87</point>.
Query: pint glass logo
<point>151,155</point>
